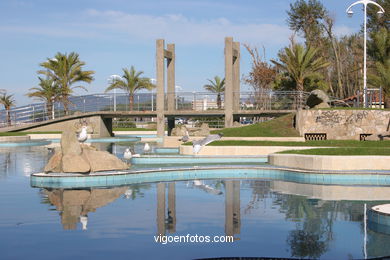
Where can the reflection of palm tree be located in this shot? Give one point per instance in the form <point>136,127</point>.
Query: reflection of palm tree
<point>131,82</point>
<point>216,86</point>
<point>8,101</point>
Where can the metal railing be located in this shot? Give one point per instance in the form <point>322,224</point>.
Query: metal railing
<point>189,101</point>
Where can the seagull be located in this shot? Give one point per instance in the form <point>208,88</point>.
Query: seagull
<point>206,188</point>
<point>185,138</point>
<point>127,154</point>
<point>197,145</point>
<point>146,148</point>
<point>83,135</point>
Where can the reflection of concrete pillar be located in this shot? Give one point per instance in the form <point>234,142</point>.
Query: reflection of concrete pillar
<point>232,208</point>
<point>171,208</point>
<point>171,124</point>
<point>228,104</point>
<point>236,208</point>
<point>161,208</point>
<point>160,77</point>
<point>236,76</point>
<point>229,208</point>
<point>171,77</point>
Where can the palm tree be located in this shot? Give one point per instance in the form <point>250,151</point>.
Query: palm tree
<point>300,63</point>
<point>216,86</point>
<point>66,70</point>
<point>8,101</point>
<point>131,82</point>
<point>48,91</point>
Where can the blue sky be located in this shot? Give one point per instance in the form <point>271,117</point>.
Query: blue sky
<point>112,34</point>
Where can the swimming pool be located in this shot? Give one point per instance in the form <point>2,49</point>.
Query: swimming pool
<point>267,217</point>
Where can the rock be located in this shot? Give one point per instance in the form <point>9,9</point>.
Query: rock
<point>75,163</point>
<point>103,161</point>
<point>318,99</point>
<point>236,124</point>
<point>203,131</point>
<point>179,130</point>
<point>69,143</point>
<point>54,164</point>
<point>76,158</point>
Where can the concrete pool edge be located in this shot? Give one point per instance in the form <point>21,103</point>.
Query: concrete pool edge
<point>241,150</point>
<point>330,162</point>
<point>109,179</point>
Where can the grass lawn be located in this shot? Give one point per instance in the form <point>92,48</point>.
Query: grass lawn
<point>341,151</point>
<point>27,133</point>
<point>326,143</point>
<point>278,127</point>
<point>132,129</point>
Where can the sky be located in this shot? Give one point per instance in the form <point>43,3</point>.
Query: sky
<point>113,34</point>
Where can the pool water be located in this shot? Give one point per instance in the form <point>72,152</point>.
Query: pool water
<point>267,218</point>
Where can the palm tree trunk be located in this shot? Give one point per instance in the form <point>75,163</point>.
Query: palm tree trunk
<point>8,116</point>
<point>49,108</point>
<point>300,94</point>
<point>131,101</point>
<point>219,101</point>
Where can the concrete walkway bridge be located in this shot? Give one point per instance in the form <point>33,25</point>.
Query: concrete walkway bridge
<point>163,104</point>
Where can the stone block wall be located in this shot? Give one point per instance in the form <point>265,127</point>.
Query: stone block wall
<point>342,124</point>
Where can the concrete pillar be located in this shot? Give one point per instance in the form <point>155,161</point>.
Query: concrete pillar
<point>228,104</point>
<point>160,79</point>
<point>171,208</point>
<point>171,77</point>
<point>236,76</point>
<point>106,127</point>
<point>160,208</point>
<point>171,125</point>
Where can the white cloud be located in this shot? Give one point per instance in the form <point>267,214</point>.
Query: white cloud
<point>177,28</point>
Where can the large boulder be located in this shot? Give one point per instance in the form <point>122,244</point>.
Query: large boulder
<point>69,143</point>
<point>103,161</point>
<point>318,99</point>
<point>179,130</point>
<point>76,158</point>
<point>204,130</point>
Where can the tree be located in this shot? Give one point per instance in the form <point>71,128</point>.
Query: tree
<point>216,86</point>
<point>300,63</point>
<point>66,70</point>
<point>376,22</point>
<point>8,101</point>
<point>305,18</point>
<point>131,82</point>
<point>48,91</point>
<point>379,51</point>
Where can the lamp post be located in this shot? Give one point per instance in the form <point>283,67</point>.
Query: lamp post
<point>350,13</point>
<point>111,80</point>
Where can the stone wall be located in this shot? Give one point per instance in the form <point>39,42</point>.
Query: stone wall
<point>342,124</point>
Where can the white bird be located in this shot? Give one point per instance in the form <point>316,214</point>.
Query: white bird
<point>146,148</point>
<point>185,138</point>
<point>127,154</point>
<point>84,221</point>
<point>83,135</point>
<point>197,145</point>
<point>128,193</point>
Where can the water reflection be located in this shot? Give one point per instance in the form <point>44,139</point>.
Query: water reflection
<point>312,220</point>
<point>74,205</point>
